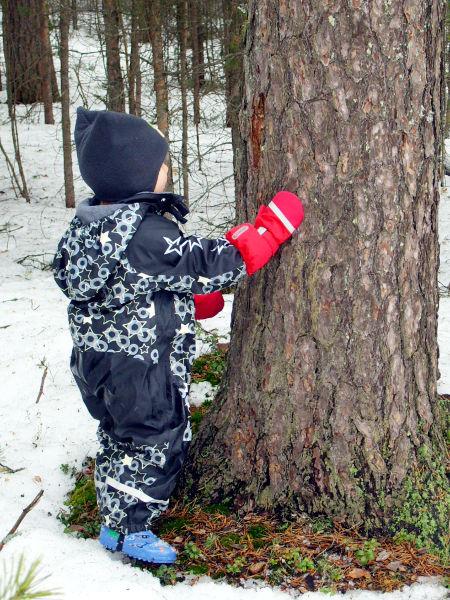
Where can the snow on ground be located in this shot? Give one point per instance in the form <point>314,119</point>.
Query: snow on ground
<point>39,437</point>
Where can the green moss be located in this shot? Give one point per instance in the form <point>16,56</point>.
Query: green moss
<point>210,367</point>
<point>421,515</point>
<point>257,532</point>
<point>230,539</point>
<point>172,524</point>
<point>221,508</point>
<point>81,515</point>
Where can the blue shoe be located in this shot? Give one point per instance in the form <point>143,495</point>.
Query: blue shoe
<point>110,539</point>
<point>145,545</point>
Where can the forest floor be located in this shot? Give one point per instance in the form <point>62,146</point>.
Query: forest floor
<point>46,432</point>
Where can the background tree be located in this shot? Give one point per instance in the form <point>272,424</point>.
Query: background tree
<point>330,403</point>
<point>65,10</point>
<point>182,31</point>
<point>116,91</point>
<point>28,59</point>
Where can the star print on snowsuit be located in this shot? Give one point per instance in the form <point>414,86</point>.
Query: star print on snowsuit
<point>130,276</point>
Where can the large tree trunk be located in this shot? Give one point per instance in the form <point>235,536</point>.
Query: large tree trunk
<point>330,397</point>
<point>28,59</point>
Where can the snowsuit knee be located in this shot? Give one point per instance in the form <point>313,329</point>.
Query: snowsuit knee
<point>131,274</point>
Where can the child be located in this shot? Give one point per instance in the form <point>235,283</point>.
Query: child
<point>135,284</point>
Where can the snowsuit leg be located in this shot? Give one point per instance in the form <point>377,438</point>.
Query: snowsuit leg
<point>127,474</point>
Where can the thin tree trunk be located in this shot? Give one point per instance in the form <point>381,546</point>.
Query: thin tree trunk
<point>196,66</point>
<point>154,23</point>
<point>116,92</point>
<point>134,67</point>
<point>182,44</point>
<point>330,403</point>
<point>232,56</point>
<point>64,25</point>
<point>44,64</point>
<point>74,15</point>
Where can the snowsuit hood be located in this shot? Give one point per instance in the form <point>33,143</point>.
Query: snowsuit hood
<point>118,154</point>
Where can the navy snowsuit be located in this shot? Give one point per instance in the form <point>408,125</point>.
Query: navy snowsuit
<point>130,274</point>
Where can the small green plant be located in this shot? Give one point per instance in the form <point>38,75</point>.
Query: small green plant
<point>192,552</point>
<point>18,582</point>
<point>210,367</point>
<point>366,554</point>
<point>327,569</point>
<point>166,575</point>
<point>227,540</point>
<point>211,541</point>
<point>237,565</point>
<point>68,470</point>
<point>327,590</point>
<point>294,559</point>
<point>321,525</point>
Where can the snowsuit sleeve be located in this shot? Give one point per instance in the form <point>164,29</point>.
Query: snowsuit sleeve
<point>183,263</point>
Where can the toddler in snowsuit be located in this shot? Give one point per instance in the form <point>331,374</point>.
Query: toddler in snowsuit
<point>136,283</point>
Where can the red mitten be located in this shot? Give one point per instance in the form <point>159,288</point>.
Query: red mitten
<point>281,217</point>
<point>208,305</point>
<point>255,250</point>
<point>274,225</point>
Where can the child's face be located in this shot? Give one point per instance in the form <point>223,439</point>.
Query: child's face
<point>162,179</point>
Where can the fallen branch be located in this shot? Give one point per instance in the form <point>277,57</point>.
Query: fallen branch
<point>41,389</point>
<point>9,470</point>
<point>24,513</point>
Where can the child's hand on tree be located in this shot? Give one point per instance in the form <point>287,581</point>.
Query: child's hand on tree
<point>274,225</point>
<point>208,305</point>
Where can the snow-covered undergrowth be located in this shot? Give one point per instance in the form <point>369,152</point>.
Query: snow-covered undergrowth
<point>38,437</point>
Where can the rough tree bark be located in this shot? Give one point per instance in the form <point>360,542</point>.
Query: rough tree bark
<point>116,92</point>
<point>330,395</point>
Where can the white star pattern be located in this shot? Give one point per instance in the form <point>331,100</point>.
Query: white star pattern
<point>184,328</point>
<point>177,245</point>
<point>134,326</point>
<point>202,279</point>
<point>127,460</point>
<point>151,310</point>
<point>87,320</point>
<point>221,244</point>
<point>104,238</point>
